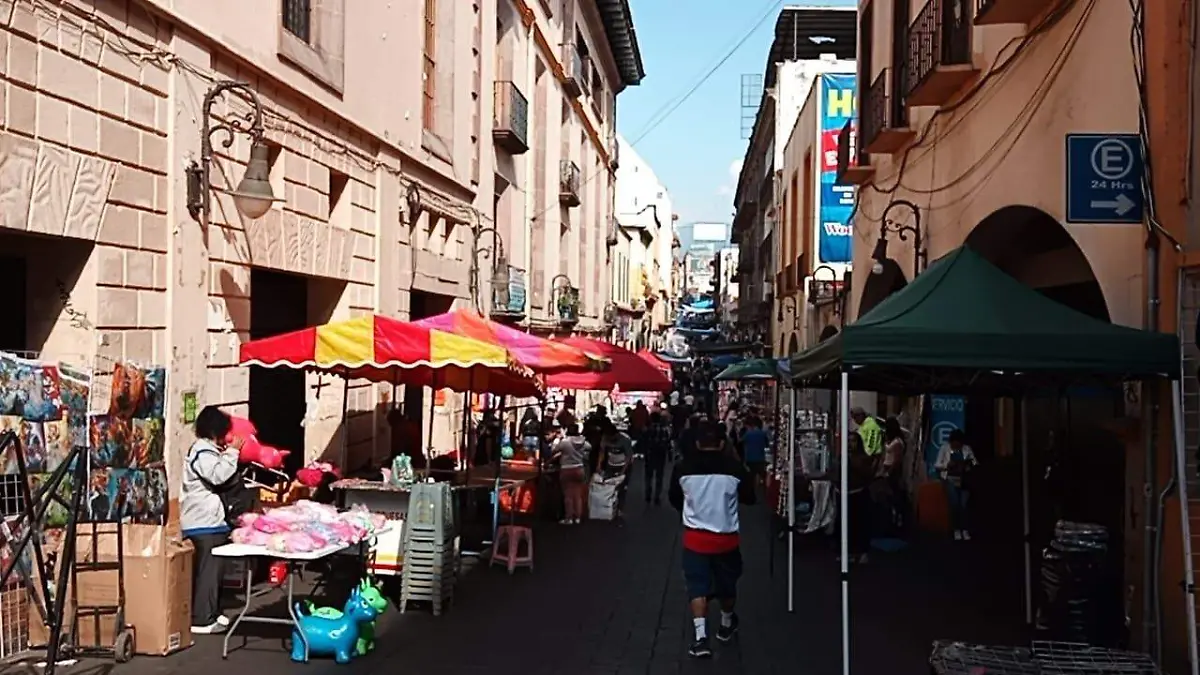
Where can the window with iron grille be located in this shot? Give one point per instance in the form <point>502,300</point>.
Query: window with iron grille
<point>296,18</point>
<point>429,71</point>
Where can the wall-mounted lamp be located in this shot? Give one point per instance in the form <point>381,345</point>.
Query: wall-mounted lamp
<point>902,231</point>
<point>253,196</point>
<point>412,201</point>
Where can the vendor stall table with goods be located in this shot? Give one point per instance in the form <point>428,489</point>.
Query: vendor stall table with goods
<point>295,535</point>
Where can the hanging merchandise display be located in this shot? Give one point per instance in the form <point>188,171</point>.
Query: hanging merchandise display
<point>126,444</point>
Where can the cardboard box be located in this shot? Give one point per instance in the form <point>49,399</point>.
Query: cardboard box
<point>158,588</point>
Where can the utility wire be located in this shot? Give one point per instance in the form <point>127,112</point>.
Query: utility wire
<point>675,105</point>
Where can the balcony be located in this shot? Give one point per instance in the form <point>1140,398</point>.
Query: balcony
<point>993,12</point>
<point>853,167</point>
<point>568,183</point>
<point>509,287</point>
<point>576,80</point>
<point>510,123</point>
<point>939,52</point>
<point>884,117</point>
<point>566,306</point>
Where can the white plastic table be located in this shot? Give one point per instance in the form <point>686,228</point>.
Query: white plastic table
<point>295,564</point>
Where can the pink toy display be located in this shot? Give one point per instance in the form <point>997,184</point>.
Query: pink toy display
<point>313,474</point>
<point>306,526</point>
<point>254,450</point>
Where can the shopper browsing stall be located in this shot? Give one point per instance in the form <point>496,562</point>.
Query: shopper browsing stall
<point>572,451</point>
<point>203,517</point>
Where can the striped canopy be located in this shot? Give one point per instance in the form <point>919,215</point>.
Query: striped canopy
<point>381,349</point>
<point>538,354</point>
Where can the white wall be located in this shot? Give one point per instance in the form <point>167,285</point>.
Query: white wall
<point>638,188</point>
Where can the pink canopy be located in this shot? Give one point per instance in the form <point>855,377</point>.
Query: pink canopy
<point>627,370</point>
<point>538,354</point>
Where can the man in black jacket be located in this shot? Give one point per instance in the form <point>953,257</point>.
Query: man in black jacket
<point>707,487</point>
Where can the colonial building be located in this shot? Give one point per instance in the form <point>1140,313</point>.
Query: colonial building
<point>807,41</point>
<point>1016,127</point>
<point>642,279</point>
<point>369,123</point>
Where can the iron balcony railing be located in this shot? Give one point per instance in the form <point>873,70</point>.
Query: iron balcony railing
<point>568,183</point>
<point>576,81</point>
<point>882,108</point>
<point>940,36</point>
<point>509,292</point>
<point>567,305</point>
<point>510,125</point>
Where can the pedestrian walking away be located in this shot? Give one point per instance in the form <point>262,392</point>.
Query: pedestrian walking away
<point>706,488</point>
<point>656,447</point>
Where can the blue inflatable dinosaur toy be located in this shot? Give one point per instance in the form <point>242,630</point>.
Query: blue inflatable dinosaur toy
<point>366,631</point>
<point>327,636</point>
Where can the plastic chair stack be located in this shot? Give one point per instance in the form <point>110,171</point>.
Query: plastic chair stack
<point>431,547</point>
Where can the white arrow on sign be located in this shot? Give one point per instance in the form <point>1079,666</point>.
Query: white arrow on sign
<point>1121,205</point>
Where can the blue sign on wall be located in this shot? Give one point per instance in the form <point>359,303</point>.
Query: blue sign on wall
<point>836,201</point>
<point>1104,178</point>
<point>946,413</point>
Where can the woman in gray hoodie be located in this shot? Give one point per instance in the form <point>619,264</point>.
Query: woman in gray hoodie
<point>210,463</point>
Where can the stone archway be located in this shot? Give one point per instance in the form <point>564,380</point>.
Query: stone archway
<point>878,287</point>
<point>1035,249</point>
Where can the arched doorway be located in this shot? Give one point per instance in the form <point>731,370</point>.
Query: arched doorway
<point>879,286</point>
<point>1035,249</point>
<point>1085,462</point>
<point>793,345</point>
<point>828,332</point>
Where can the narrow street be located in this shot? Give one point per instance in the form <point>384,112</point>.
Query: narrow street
<point>610,600</point>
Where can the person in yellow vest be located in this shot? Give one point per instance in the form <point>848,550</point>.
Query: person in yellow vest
<point>869,430</point>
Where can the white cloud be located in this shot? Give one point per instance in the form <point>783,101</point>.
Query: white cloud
<point>727,188</point>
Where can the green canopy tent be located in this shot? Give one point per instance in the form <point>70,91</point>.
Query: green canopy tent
<point>751,369</point>
<point>964,324</point>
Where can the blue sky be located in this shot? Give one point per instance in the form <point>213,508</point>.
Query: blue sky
<point>697,150</point>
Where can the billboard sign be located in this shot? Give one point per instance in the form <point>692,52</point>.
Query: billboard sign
<point>836,202</point>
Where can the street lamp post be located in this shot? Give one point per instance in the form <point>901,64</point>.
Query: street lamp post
<point>902,231</point>
<point>253,196</point>
<point>495,253</point>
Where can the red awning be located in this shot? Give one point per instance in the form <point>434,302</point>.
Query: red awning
<point>653,360</point>
<point>627,370</point>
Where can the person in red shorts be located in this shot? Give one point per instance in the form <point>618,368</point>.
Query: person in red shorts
<point>707,488</point>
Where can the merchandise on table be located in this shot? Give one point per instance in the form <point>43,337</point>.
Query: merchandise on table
<point>306,526</point>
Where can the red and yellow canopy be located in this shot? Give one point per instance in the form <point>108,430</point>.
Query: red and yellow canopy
<point>538,354</point>
<point>381,349</point>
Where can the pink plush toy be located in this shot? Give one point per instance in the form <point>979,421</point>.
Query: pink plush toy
<point>312,475</point>
<point>254,450</point>
<point>266,455</point>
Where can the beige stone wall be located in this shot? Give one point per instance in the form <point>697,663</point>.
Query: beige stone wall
<point>101,105</point>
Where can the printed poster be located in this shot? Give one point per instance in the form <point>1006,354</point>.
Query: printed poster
<point>836,201</point>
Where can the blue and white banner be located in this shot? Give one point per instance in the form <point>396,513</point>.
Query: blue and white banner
<point>836,201</point>
<point>946,413</point>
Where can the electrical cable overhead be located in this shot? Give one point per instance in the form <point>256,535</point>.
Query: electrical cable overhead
<point>671,106</point>
<point>677,103</point>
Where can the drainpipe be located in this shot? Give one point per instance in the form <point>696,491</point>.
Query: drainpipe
<point>1150,436</point>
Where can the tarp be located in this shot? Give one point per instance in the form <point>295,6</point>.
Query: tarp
<point>538,354</point>
<point>965,323</point>
<point>627,371</point>
<point>653,359</point>
<point>381,349</point>
<point>750,369</point>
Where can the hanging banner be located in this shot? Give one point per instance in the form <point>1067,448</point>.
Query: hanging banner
<point>946,413</point>
<point>836,204</point>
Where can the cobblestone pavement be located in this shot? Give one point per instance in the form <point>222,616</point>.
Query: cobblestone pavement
<point>609,599</point>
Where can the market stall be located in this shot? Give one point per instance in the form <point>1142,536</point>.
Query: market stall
<point>380,349</point>
<point>936,336</point>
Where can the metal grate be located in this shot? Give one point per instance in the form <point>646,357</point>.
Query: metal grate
<point>960,658</point>
<point>1189,312</point>
<point>297,18</point>
<point>1068,658</point>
